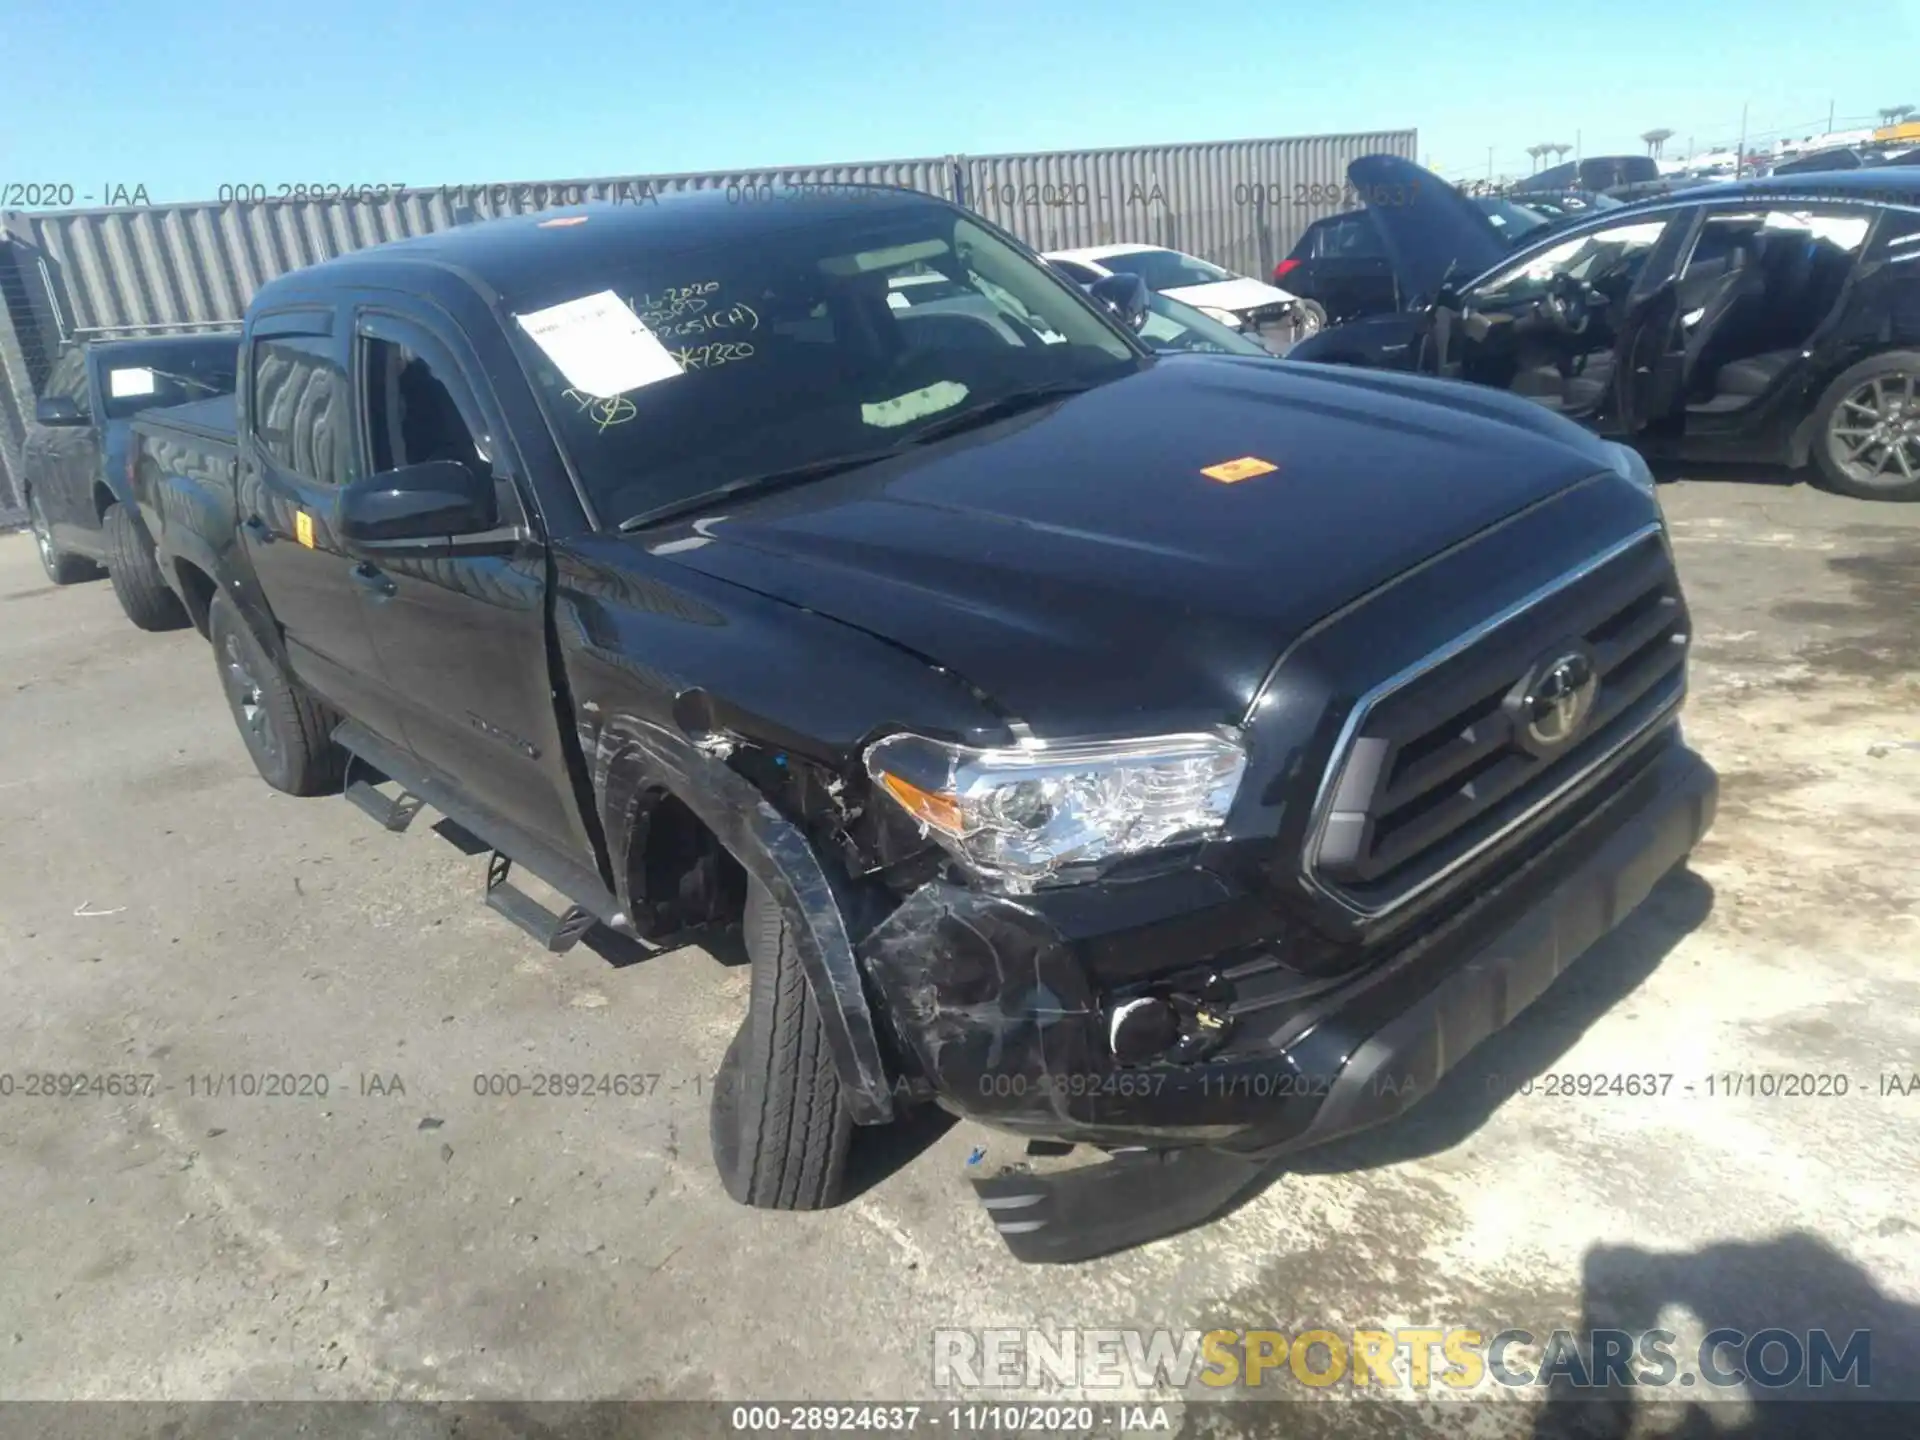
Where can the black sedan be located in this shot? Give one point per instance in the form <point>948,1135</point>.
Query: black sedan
<point>1770,321</point>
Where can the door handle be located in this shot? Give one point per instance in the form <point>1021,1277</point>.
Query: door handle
<point>257,529</point>
<point>373,581</point>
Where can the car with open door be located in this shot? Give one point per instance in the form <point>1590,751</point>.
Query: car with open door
<point>1770,321</point>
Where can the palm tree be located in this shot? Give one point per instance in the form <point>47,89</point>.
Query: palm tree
<point>1534,152</point>
<point>1656,141</point>
<point>1560,148</point>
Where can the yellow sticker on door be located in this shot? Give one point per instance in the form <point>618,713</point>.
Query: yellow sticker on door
<point>303,528</point>
<point>1232,472</point>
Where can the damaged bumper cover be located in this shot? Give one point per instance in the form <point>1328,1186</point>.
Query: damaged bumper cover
<point>1001,1014</point>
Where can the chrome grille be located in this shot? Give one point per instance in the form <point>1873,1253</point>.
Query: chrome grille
<point>1438,765</point>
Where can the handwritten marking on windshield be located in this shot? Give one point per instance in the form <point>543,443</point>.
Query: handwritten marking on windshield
<point>712,355</point>
<point>604,412</point>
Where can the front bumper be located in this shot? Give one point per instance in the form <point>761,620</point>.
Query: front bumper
<point>1001,1017</point>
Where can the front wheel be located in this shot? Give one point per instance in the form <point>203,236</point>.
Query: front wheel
<point>61,568</point>
<point>287,732</point>
<point>1309,319</point>
<point>780,1128</point>
<point>135,572</point>
<point>1867,429</point>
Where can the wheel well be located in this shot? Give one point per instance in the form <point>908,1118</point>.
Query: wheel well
<point>680,876</point>
<point>103,500</point>
<point>197,590</point>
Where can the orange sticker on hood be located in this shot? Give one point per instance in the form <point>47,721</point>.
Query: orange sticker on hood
<point>1231,472</point>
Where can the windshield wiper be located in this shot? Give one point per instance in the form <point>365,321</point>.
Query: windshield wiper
<point>760,484</point>
<point>999,408</point>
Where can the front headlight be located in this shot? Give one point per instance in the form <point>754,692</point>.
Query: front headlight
<point>1629,462</point>
<point>1027,815</point>
<point>1225,317</point>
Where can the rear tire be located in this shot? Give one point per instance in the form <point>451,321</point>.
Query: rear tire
<point>135,572</point>
<point>779,1128</point>
<point>61,568</point>
<point>1880,395</point>
<point>287,732</point>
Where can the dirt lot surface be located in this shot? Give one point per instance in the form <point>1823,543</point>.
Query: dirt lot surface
<point>162,912</point>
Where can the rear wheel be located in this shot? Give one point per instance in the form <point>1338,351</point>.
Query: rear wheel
<point>1309,319</point>
<point>780,1129</point>
<point>61,568</point>
<point>1867,429</point>
<point>287,732</point>
<point>135,572</point>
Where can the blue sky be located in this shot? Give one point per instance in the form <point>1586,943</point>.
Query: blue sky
<point>184,98</point>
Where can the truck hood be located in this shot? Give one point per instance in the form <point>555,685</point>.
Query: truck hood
<point>1236,295</point>
<point>1077,566</point>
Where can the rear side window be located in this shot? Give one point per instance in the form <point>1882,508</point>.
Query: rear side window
<point>1351,237</point>
<point>301,415</point>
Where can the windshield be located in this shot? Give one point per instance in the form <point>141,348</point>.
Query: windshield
<point>688,371</point>
<point>1511,220</point>
<point>1172,325</point>
<point>167,372</point>
<point>1165,269</point>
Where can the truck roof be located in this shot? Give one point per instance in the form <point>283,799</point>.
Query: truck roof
<point>518,252</point>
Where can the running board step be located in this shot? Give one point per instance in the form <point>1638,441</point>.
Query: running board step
<point>559,933</point>
<point>394,812</point>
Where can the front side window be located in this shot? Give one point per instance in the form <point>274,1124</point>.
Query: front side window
<point>1609,259</point>
<point>1175,327</point>
<point>412,415</point>
<point>301,415</point>
<point>672,374</point>
<point>1165,269</point>
<point>1076,272</point>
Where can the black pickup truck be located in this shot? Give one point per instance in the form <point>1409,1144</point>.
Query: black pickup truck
<point>1187,758</point>
<point>76,476</point>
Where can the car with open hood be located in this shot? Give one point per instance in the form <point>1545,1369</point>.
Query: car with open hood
<point>1771,321</point>
<point>1182,758</point>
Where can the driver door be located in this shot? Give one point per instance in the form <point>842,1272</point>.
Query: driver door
<point>1567,321</point>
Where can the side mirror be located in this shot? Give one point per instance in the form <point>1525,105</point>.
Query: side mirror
<point>1124,296</point>
<point>434,500</point>
<point>60,410</point>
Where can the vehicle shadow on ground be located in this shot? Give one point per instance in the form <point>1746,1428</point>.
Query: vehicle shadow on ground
<point>1718,472</point>
<point>1797,1284</point>
<point>1527,1049</point>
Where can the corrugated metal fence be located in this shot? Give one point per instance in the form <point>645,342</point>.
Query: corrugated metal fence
<point>157,269</point>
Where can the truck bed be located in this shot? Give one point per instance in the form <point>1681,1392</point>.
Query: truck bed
<point>205,425</point>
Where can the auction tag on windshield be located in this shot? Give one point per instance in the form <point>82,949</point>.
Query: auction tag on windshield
<point>600,345</point>
<point>1232,472</point>
<point>303,528</point>
<point>137,380</point>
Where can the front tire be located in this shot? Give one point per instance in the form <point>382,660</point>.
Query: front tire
<point>779,1127</point>
<point>61,568</point>
<point>1866,429</point>
<point>287,732</point>
<point>135,572</point>
<point>1309,319</point>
